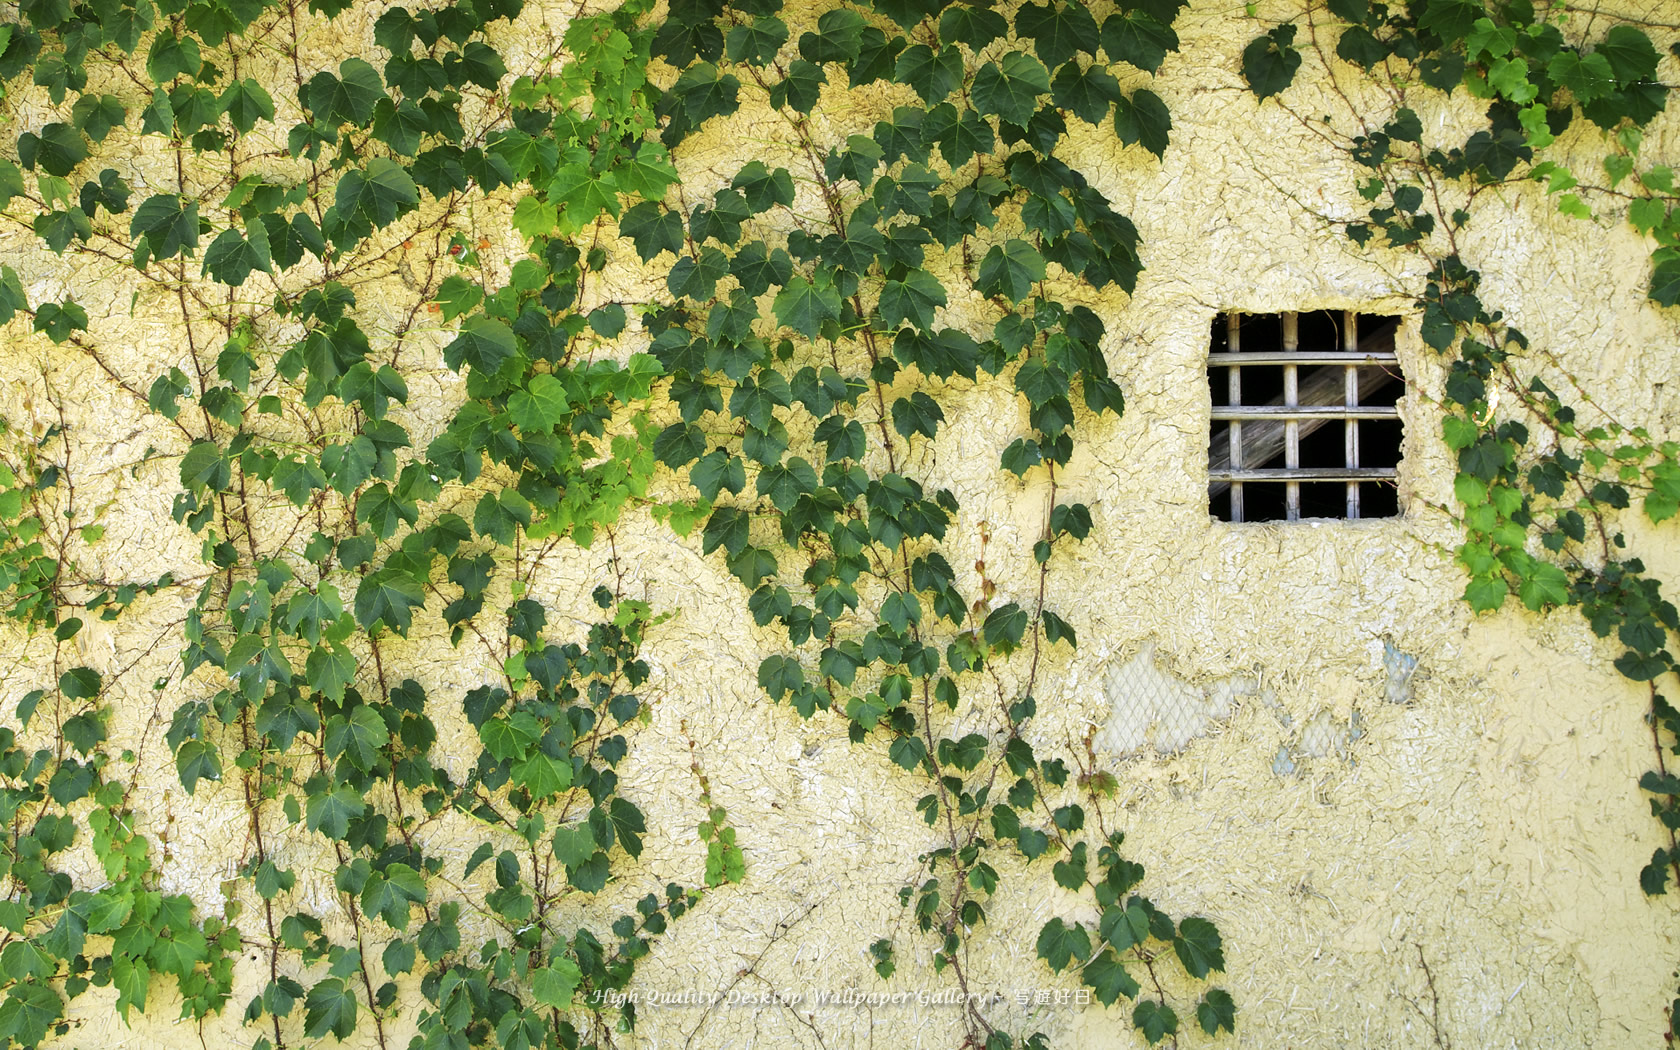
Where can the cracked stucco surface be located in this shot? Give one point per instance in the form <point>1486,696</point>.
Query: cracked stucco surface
<point>1489,829</point>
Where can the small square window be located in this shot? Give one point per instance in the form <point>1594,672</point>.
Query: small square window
<point>1304,418</point>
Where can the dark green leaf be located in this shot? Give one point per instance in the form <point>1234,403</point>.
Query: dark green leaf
<point>1138,38</point>
<point>757,43</point>
<point>1086,93</point>
<point>934,74</point>
<point>1269,62</point>
<point>163,227</point>
<point>388,596</point>
<point>245,102</point>
<point>1058,30</point>
<point>231,256</point>
<point>482,343</point>
<point>1216,1011</point>
<point>330,1008</point>
<point>1199,947</point>
<point>172,56</point>
<point>804,305</point>
<point>1011,90</point>
<point>1108,979</point>
<point>1143,119</point>
<point>348,98</point>
<point>974,26</point>
<point>1010,270</point>
<point>704,94</point>
<point>1060,943</point>
<point>912,298</point>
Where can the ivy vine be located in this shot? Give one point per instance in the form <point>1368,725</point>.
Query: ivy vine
<point>324,525</point>
<point>1544,475</point>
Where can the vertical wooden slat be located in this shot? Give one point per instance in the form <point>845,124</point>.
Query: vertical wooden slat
<point>1233,341</point>
<point>1291,428</point>
<point>1350,343</point>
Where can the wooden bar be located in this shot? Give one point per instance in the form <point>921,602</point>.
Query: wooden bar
<point>1233,342</point>
<point>1350,389</point>
<point>1291,429</point>
<point>1305,357</point>
<point>1349,474</point>
<point>1289,412</point>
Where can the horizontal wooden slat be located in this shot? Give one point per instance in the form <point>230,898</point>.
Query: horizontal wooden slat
<point>1244,412</point>
<point>1306,474</point>
<point>1301,357</point>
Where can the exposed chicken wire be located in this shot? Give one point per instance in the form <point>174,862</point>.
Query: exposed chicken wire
<point>1151,708</point>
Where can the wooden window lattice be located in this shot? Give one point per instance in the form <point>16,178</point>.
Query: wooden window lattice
<point>1341,380</point>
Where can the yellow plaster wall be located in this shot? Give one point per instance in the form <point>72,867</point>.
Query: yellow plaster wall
<point>1469,861</point>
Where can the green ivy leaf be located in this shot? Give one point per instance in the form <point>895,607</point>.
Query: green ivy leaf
<point>697,278</point>
<point>1138,38</point>
<point>1216,1011</point>
<point>912,298</point>
<point>232,256</point>
<point>804,305</point>
<point>197,760</point>
<point>1269,62</point>
<point>541,405</point>
<point>357,737</point>
<point>391,894</point>
<point>554,984</point>
<point>206,466</point>
<point>705,94</point>
<point>245,102</point>
<point>330,1009</point>
<point>1486,593</point>
<point>1156,1020</point>
<point>388,596</point>
<point>801,89</point>
<point>482,343</point>
<point>917,414</point>
<point>163,227</point>
<point>1060,943</point>
<point>974,26</point>
<point>1086,93</point>
<point>1106,976</point>
<point>59,320</point>
<point>933,74</point>
<point>758,43</point>
<point>348,98</point>
<point>57,150</point>
<point>1665,277</point>
<point>29,1010</point>
<point>838,38</point>
<point>96,115</point>
<point>373,198</point>
<point>1629,54</point>
<point>1010,270</point>
<point>1143,120</point>
<point>330,812</point>
<point>1199,947</point>
<point>1588,77</point>
<point>1011,90</point>
<point>1058,30</point>
<point>172,56</point>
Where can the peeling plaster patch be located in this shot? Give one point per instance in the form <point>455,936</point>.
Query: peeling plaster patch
<point>1150,707</point>
<point>1400,667</point>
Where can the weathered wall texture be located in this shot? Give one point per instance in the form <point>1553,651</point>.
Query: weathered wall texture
<point>1466,858</point>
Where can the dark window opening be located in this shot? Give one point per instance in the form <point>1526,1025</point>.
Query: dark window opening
<point>1304,417</point>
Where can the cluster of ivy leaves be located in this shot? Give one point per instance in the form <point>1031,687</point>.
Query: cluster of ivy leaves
<point>1541,481</point>
<point>290,397</point>
<point>811,366</point>
<point>807,360</point>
